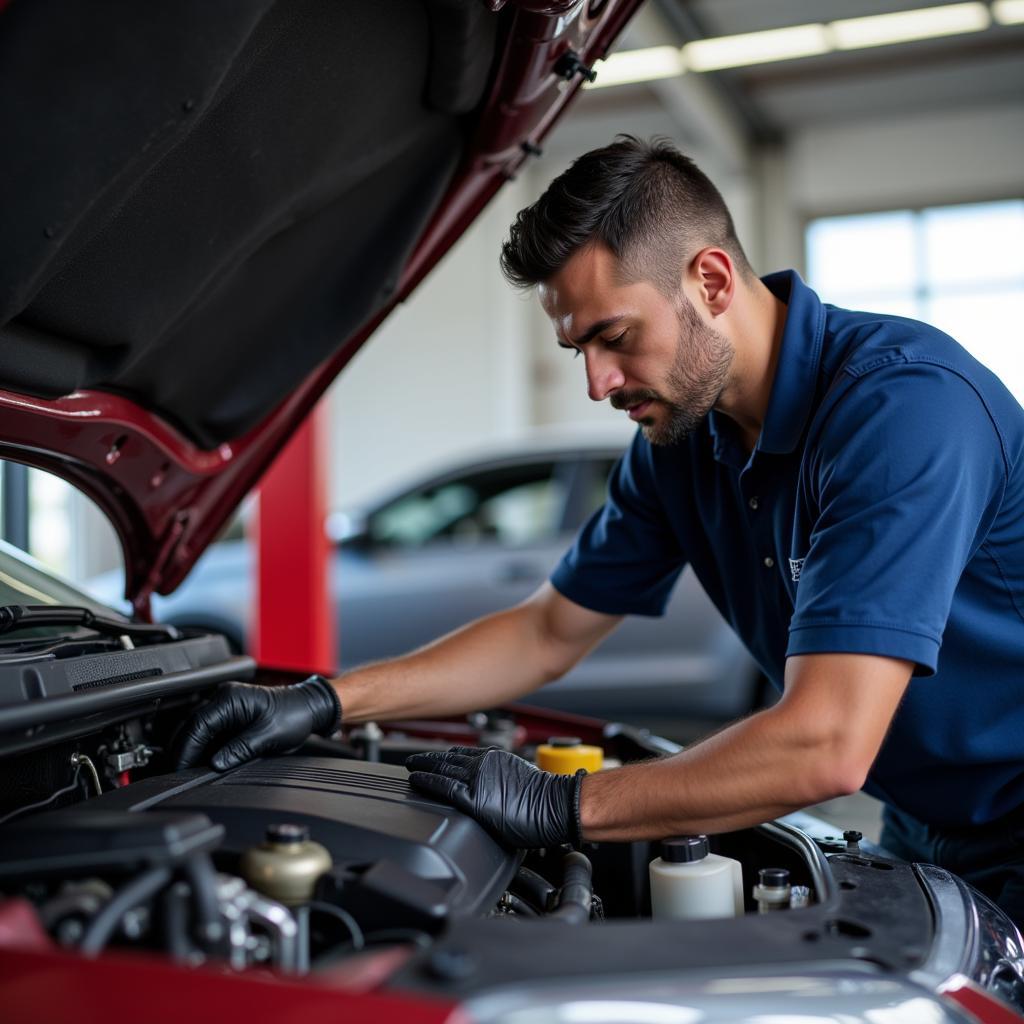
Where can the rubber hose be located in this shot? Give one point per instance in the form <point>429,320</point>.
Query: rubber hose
<point>533,888</point>
<point>356,933</point>
<point>175,918</point>
<point>519,906</point>
<point>105,923</point>
<point>577,892</point>
<point>202,878</point>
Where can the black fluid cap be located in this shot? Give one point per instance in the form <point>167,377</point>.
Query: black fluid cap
<point>773,878</point>
<point>683,849</point>
<point>564,741</point>
<point>851,835</point>
<point>287,833</point>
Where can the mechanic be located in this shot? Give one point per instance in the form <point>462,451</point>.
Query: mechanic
<point>848,488</point>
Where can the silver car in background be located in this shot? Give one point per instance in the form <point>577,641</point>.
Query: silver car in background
<point>472,537</point>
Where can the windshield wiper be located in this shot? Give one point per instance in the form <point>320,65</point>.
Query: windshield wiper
<point>27,616</point>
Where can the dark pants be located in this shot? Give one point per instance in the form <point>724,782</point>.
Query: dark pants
<point>990,857</point>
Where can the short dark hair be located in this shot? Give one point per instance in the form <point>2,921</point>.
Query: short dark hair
<point>649,204</point>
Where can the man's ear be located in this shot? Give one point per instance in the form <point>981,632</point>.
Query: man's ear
<point>713,277</point>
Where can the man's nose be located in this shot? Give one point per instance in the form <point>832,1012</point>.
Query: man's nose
<point>603,375</point>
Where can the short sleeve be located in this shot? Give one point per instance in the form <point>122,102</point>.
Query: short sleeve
<point>905,478</point>
<point>626,557</point>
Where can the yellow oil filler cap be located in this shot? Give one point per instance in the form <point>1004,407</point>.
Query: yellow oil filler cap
<point>565,755</point>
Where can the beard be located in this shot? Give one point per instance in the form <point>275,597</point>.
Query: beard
<point>693,384</point>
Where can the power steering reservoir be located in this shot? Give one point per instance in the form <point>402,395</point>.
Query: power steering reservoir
<point>286,865</point>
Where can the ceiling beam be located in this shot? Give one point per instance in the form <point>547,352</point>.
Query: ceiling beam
<point>686,26</point>
<point>701,114</point>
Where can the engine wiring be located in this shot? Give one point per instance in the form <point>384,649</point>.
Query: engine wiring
<point>71,786</point>
<point>323,907</point>
<point>84,761</point>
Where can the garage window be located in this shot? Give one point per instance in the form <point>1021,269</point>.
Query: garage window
<point>960,268</point>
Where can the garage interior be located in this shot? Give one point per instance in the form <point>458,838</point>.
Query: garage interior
<point>349,665</point>
<point>916,139</point>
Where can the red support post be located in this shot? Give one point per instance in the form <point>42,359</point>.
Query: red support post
<point>294,617</point>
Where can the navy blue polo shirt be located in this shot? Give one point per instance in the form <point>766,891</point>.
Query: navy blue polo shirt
<point>882,512</point>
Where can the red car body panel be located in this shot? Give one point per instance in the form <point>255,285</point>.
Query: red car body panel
<point>60,986</point>
<point>166,498</point>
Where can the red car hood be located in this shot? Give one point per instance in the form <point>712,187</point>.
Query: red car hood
<point>207,209</point>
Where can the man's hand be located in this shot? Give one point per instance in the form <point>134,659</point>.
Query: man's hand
<point>515,801</point>
<point>259,720</point>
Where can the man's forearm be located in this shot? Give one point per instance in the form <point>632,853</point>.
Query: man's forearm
<point>490,661</point>
<point>752,771</point>
<point>495,659</point>
<point>818,742</point>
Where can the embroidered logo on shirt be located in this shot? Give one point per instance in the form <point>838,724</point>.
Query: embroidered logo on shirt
<point>795,566</point>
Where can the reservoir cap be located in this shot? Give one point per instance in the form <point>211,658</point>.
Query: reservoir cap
<point>683,849</point>
<point>287,833</point>
<point>773,878</point>
<point>566,755</point>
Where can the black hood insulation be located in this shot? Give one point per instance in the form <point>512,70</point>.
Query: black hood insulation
<point>203,199</point>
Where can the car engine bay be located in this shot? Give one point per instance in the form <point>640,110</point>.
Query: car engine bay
<point>325,856</point>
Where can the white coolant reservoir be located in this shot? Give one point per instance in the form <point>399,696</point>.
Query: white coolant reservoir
<point>688,882</point>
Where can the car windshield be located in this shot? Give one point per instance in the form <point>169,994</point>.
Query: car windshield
<point>23,580</point>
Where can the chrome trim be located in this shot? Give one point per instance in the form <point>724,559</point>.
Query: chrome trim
<point>973,939</point>
<point>955,942</point>
<point>823,993</point>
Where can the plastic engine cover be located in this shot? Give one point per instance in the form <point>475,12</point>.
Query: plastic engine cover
<point>363,813</point>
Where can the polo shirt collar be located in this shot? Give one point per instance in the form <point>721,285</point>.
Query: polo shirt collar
<point>795,386</point>
<point>796,376</point>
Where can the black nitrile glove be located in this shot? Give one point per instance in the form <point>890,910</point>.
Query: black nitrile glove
<point>258,720</point>
<point>514,800</point>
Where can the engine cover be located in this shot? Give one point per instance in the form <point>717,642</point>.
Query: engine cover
<point>365,814</point>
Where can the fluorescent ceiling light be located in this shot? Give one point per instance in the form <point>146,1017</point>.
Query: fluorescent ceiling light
<point>804,41</point>
<point>905,26</point>
<point>638,66</point>
<point>1008,12</point>
<point>756,47</point>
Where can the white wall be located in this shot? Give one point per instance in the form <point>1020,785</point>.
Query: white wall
<point>929,159</point>
<point>469,361</point>
<point>447,372</point>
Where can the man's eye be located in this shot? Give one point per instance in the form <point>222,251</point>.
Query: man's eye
<point>576,353</point>
<point>615,342</point>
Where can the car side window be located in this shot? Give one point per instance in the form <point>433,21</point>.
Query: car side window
<point>413,520</point>
<point>597,484</point>
<point>511,505</point>
<point>525,514</point>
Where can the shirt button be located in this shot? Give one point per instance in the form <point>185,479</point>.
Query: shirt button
<point>753,503</point>
<point>769,562</point>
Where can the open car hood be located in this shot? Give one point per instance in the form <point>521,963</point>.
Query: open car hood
<point>207,207</point>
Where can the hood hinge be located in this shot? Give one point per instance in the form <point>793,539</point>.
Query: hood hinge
<point>168,546</point>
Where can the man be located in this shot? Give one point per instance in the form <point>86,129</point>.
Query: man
<point>849,490</point>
